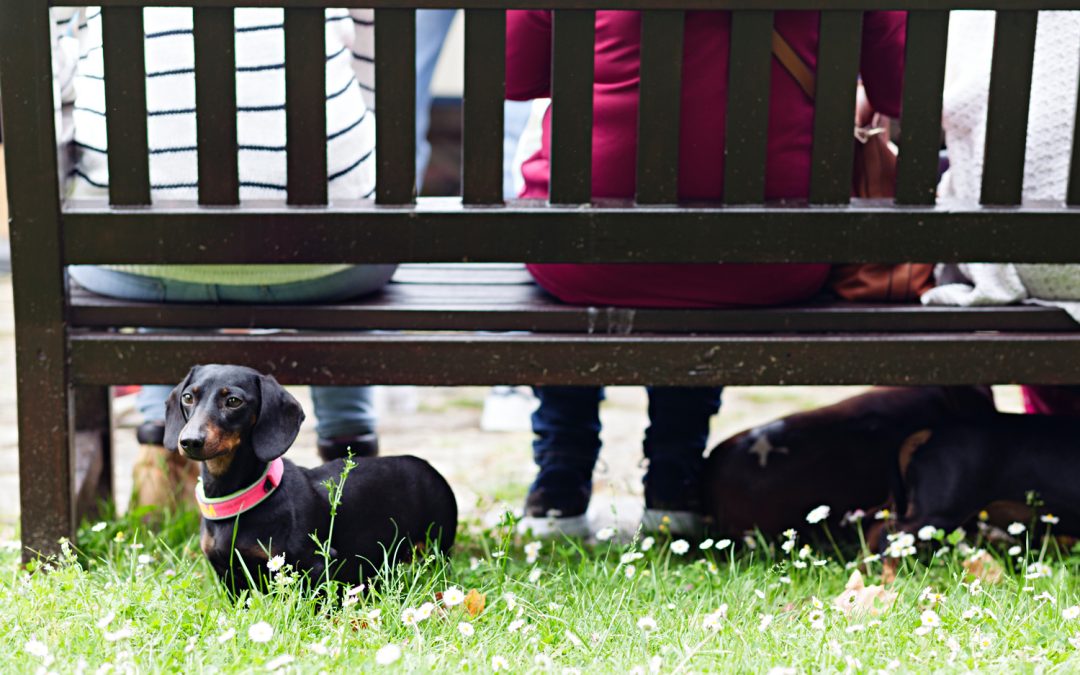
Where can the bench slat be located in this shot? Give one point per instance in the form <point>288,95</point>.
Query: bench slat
<point>305,101</point>
<point>571,106</point>
<point>395,133</point>
<point>833,154</point>
<point>839,45</point>
<point>444,231</point>
<point>448,360</point>
<point>125,105</point>
<point>215,100</point>
<point>746,138</point>
<point>485,91</point>
<point>1007,111</point>
<point>462,306</point>
<point>659,100</point>
<point>924,58</point>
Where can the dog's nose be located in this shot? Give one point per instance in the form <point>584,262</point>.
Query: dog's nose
<point>191,444</point>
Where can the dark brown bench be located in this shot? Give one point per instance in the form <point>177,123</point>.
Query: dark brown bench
<point>483,326</point>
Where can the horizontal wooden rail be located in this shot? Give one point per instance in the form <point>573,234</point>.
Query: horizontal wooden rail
<point>487,307</point>
<point>442,230</point>
<point>616,4</point>
<point>1036,358</point>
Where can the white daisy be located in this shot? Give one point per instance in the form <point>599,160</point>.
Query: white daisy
<point>818,514</point>
<point>260,632</point>
<point>387,655</point>
<point>605,534</point>
<point>453,596</point>
<point>680,547</point>
<point>646,624</point>
<point>1016,529</point>
<point>276,563</point>
<point>532,551</point>
<point>466,629</point>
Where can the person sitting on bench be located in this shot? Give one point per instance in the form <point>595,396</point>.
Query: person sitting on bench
<point>346,419</point>
<point>567,423</point>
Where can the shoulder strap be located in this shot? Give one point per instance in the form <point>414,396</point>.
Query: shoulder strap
<point>793,63</point>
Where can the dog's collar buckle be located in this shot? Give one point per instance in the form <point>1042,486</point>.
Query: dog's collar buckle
<point>229,506</point>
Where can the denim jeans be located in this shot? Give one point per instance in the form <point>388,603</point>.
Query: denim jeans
<point>432,26</point>
<point>340,411</point>
<point>567,426</point>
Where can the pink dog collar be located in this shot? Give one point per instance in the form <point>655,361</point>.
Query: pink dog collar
<point>220,508</point>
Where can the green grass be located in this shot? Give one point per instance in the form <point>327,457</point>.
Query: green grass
<point>147,603</point>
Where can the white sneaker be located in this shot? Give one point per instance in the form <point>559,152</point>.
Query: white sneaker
<point>547,527</point>
<point>675,523</point>
<point>508,409</point>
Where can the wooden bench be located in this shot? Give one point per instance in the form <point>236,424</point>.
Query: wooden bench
<point>454,326</point>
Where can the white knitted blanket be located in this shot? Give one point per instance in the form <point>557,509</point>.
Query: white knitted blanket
<point>1051,116</point>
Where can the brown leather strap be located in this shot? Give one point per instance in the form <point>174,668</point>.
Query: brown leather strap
<point>794,64</point>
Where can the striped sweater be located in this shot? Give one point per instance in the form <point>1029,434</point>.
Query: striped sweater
<point>260,97</point>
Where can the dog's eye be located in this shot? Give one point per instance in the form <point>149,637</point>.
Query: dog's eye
<point>233,402</point>
<point>187,399</point>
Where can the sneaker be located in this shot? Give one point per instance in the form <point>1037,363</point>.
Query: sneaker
<point>339,447</point>
<point>508,409</point>
<point>673,498</point>
<point>556,505</point>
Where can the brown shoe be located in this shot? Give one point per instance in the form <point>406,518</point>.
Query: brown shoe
<point>163,479</point>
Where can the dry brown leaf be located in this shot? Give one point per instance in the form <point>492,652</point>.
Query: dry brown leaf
<point>474,602</point>
<point>858,598</point>
<point>984,567</point>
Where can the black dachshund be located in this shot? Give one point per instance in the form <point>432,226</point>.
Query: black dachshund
<point>948,473</point>
<point>256,506</point>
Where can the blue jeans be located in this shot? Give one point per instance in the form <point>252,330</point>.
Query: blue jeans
<point>432,26</point>
<point>340,411</point>
<point>567,426</point>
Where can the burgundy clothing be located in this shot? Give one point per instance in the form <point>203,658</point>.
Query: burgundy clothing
<point>1052,400</point>
<point>701,146</point>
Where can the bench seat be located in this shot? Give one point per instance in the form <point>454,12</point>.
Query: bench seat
<point>489,324</point>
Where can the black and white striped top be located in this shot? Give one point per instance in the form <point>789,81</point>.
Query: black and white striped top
<point>260,94</point>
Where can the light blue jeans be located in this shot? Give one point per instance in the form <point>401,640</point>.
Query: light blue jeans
<point>432,26</point>
<point>340,411</point>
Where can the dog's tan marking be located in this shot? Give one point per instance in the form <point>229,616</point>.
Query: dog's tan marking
<point>1001,513</point>
<point>224,446</point>
<point>909,446</point>
<point>206,542</point>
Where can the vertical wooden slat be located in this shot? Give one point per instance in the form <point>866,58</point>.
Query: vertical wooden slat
<point>746,137</point>
<point>659,97</point>
<point>1007,112</point>
<point>395,80</point>
<point>571,105</point>
<point>924,67</point>
<point>46,477</point>
<point>839,42</point>
<point>305,103</point>
<point>215,100</point>
<point>485,91</point>
<point>125,105</point>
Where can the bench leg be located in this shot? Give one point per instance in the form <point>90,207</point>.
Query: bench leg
<point>46,476</point>
<point>93,450</point>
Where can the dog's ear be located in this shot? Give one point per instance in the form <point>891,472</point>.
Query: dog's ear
<point>174,412</point>
<point>279,420</point>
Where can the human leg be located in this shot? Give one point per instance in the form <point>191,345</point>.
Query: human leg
<point>567,444</point>
<point>432,26</point>
<point>675,445</point>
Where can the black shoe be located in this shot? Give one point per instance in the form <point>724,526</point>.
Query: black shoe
<point>340,447</point>
<point>673,497</point>
<point>151,433</point>
<point>673,485</point>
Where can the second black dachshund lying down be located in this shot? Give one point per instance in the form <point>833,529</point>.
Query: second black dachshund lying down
<point>255,505</point>
<point>949,472</point>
